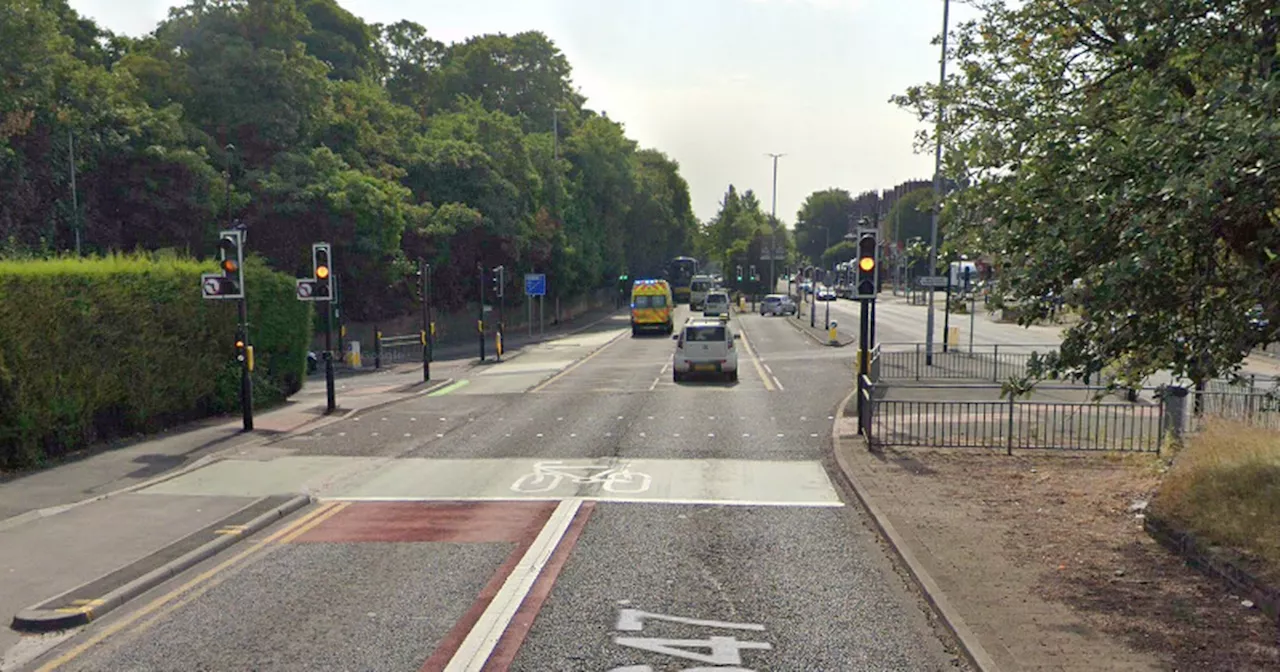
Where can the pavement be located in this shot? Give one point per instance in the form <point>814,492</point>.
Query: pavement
<point>570,508</point>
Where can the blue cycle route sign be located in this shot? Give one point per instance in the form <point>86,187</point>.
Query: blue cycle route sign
<point>535,284</point>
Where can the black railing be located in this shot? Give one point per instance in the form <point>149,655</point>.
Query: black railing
<point>1021,425</point>
<point>981,363</point>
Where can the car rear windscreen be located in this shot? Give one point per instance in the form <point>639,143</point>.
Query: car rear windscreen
<point>706,334</point>
<point>701,286</point>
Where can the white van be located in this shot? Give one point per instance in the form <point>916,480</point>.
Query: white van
<point>698,288</point>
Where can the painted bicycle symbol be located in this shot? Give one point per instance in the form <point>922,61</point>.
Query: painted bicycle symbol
<point>547,476</point>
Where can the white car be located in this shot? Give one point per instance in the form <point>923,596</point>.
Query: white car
<point>705,346</point>
<point>716,305</point>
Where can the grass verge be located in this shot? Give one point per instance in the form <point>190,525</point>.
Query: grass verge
<point>1224,487</point>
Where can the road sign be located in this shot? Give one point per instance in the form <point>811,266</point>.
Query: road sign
<point>933,281</point>
<point>305,288</point>
<point>211,286</point>
<point>535,284</point>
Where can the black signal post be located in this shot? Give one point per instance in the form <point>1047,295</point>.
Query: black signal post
<point>424,286</point>
<point>865,289</point>
<point>480,319</point>
<point>322,271</point>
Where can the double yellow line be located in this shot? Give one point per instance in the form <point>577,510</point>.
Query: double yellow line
<point>282,536</point>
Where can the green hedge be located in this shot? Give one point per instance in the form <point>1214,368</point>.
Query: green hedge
<point>96,349</point>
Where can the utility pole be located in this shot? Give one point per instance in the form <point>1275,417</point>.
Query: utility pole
<point>773,221</point>
<point>937,185</point>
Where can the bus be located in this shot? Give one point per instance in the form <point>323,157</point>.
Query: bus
<point>680,272</point>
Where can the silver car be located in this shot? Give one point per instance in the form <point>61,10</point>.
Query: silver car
<point>716,305</point>
<point>778,304</point>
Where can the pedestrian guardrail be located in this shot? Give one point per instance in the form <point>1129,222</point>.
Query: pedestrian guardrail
<point>1010,423</point>
<point>391,350</point>
<point>980,363</point>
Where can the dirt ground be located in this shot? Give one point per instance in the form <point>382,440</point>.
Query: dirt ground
<point>1072,536</point>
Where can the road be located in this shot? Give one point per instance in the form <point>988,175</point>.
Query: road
<point>569,509</point>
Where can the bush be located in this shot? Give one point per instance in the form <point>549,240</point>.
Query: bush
<point>95,349</point>
<point>1224,488</point>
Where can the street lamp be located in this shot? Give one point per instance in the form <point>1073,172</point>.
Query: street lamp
<point>773,222</point>
<point>937,185</point>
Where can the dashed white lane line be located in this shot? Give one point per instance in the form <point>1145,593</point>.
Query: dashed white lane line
<point>766,368</point>
<point>407,435</point>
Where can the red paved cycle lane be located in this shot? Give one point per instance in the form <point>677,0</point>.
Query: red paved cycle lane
<point>512,522</point>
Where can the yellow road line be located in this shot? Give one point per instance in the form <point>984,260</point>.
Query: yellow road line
<point>195,595</point>
<point>768,384</point>
<point>578,363</point>
<point>171,595</point>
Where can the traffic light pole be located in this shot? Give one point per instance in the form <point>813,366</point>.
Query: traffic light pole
<point>946,315</point>
<point>424,286</point>
<point>480,321</point>
<point>864,345</point>
<point>246,382</point>
<point>331,401</point>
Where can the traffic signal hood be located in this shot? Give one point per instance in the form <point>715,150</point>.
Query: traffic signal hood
<point>322,271</point>
<point>866,281</point>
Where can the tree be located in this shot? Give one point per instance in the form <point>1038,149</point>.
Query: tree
<point>1129,147</point>
<point>822,221</point>
<point>911,217</point>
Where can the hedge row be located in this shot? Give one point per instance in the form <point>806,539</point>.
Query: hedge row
<point>96,349</point>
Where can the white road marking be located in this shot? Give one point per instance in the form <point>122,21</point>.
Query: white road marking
<point>676,435</point>
<point>779,384</point>
<point>766,368</point>
<point>711,435</point>
<point>374,434</point>
<point>651,417</point>
<point>407,435</point>
<point>342,433</point>
<point>557,419</point>
<point>480,642</point>
<point>814,436</point>
<point>439,436</point>
<point>641,434</point>
<point>746,436</point>
<point>779,435</point>
<point>384,419</point>
<point>654,384</point>
<point>539,435</point>
<point>606,434</point>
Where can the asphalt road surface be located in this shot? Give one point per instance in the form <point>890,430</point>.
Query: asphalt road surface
<point>569,509</point>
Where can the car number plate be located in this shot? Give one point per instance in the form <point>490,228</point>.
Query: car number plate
<point>704,367</point>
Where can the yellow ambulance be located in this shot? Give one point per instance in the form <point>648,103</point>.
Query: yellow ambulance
<point>651,306</point>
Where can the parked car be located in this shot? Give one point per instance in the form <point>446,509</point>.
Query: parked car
<point>826,293</point>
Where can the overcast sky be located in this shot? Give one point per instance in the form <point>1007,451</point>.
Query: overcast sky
<point>715,84</point>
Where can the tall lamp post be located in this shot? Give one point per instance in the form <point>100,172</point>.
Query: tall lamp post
<point>937,184</point>
<point>773,222</point>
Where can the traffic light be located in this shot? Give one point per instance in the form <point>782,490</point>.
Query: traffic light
<point>499,277</point>
<point>868,243</point>
<point>739,272</point>
<point>322,271</point>
<point>228,282</point>
<point>242,352</point>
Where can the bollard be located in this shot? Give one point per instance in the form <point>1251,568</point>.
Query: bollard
<point>377,348</point>
<point>832,337</point>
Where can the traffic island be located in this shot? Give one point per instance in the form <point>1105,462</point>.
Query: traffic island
<point>820,333</point>
<point>92,600</point>
<point>1041,560</point>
